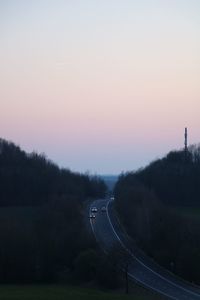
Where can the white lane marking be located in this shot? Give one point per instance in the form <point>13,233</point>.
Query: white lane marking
<point>92,225</point>
<point>152,288</point>
<point>169,281</point>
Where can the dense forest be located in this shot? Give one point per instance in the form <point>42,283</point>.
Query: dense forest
<point>149,204</point>
<point>42,230</point>
<point>174,178</point>
<point>31,179</point>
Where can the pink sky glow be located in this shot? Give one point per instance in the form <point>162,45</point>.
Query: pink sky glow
<point>97,86</point>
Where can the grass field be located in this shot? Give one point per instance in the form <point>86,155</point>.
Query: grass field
<point>58,292</point>
<point>192,212</point>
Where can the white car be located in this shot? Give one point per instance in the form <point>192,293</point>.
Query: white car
<point>93,209</point>
<point>112,198</point>
<point>92,216</point>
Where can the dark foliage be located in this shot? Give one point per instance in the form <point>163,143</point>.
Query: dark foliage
<point>147,201</point>
<point>108,273</point>
<point>102,268</point>
<point>86,265</point>
<point>174,179</point>
<point>31,179</point>
<point>39,249</point>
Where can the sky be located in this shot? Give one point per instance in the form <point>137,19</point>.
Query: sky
<point>100,86</point>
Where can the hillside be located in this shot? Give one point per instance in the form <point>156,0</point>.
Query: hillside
<point>42,229</point>
<point>32,179</point>
<point>174,179</point>
<point>159,205</point>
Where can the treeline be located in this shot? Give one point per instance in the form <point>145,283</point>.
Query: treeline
<point>174,178</point>
<point>44,244</point>
<point>146,202</point>
<point>42,227</point>
<point>31,179</point>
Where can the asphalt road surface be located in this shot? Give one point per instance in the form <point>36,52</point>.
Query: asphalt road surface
<point>108,234</point>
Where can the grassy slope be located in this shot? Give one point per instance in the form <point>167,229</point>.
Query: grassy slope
<point>192,212</point>
<point>58,292</point>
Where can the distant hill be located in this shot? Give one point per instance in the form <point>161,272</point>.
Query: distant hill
<point>110,181</point>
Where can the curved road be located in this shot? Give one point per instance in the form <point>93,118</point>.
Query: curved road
<point>108,234</point>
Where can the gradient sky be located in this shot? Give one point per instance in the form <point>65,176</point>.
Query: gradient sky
<point>101,86</point>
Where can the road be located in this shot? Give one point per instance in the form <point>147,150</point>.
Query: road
<point>108,234</point>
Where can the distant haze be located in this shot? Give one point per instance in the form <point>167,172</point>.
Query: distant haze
<point>100,86</point>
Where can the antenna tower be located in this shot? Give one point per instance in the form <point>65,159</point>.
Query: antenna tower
<point>186,141</point>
